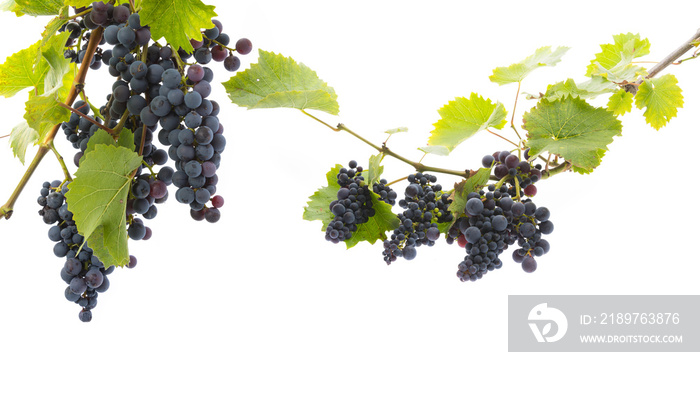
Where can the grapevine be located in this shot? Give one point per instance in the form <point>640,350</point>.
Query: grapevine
<point>160,96</point>
<point>159,134</point>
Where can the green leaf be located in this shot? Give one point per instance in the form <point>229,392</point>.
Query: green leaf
<point>97,198</point>
<point>21,137</point>
<point>44,111</point>
<point>396,130</point>
<point>22,70</point>
<point>620,103</point>
<point>374,170</point>
<point>515,73</point>
<point>435,150</point>
<point>59,65</point>
<point>33,7</point>
<point>374,229</point>
<point>81,3</point>
<point>126,140</point>
<point>55,24</point>
<point>177,20</point>
<point>472,184</point>
<point>317,209</point>
<point>588,89</point>
<point>573,129</point>
<point>625,71</point>
<point>661,98</point>
<point>462,118</point>
<point>277,81</point>
<point>618,55</point>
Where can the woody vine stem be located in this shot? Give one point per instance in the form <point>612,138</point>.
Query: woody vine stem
<point>46,144</point>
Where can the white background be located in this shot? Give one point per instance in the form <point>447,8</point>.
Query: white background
<point>260,312</point>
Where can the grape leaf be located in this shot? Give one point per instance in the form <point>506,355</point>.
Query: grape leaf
<point>620,103</point>
<point>81,3</point>
<point>618,55</point>
<point>59,65</point>
<point>515,73</point>
<point>177,20</point>
<point>588,89</point>
<point>661,98</point>
<point>475,182</point>
<point>44,111</point>
<point>97,198</point>
<point>22,70</point>
<point>32,7</point>
<point>21,137</point>
<point>55,24</point>
<point>126,140</point>
<point>39,68</point>
<point>318,209</point>
<point>573,129</point>
<point>277,81</point>
<point>396,130</point>
<point>374,169</point>
<point>376,227</point>
<point>435,150</point>
<point>623,71</point>
<point>462,118</point>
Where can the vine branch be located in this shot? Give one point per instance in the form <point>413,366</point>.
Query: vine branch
<point>675,55</point>
<point>418,166</point>
<point>46,143</point>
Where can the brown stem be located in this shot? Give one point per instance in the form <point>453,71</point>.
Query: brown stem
<point>7,209</point>
<point>45,144</point>
<point>92,120</point>
<point>502,137</point>
<point>675,55</point>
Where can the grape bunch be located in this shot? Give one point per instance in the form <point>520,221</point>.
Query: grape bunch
<point>157,87</point>
<point>493,221</point>
<point>509,167</point>
<point>386,194</point>
<point>82,271</point>
<point>163,98</point>
<point>353,205</point>
<point>425,206</point>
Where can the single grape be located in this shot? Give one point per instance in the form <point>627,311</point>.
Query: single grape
<point>244,46</point>
<point>529,264</point>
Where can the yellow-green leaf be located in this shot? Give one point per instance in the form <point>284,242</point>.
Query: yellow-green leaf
<point>514,73</point>
<point>276,81</point>
<point>23,70</point>
<point>464,117</point>
<point>52,27</point>
<point>32,7</point>
<point>21,137</point>
<point>177,20</point>
<point>588,89</point>
<point>660,98</point>
<point>619,54</point>
<point>620,103</point>
<point>44,111</point>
